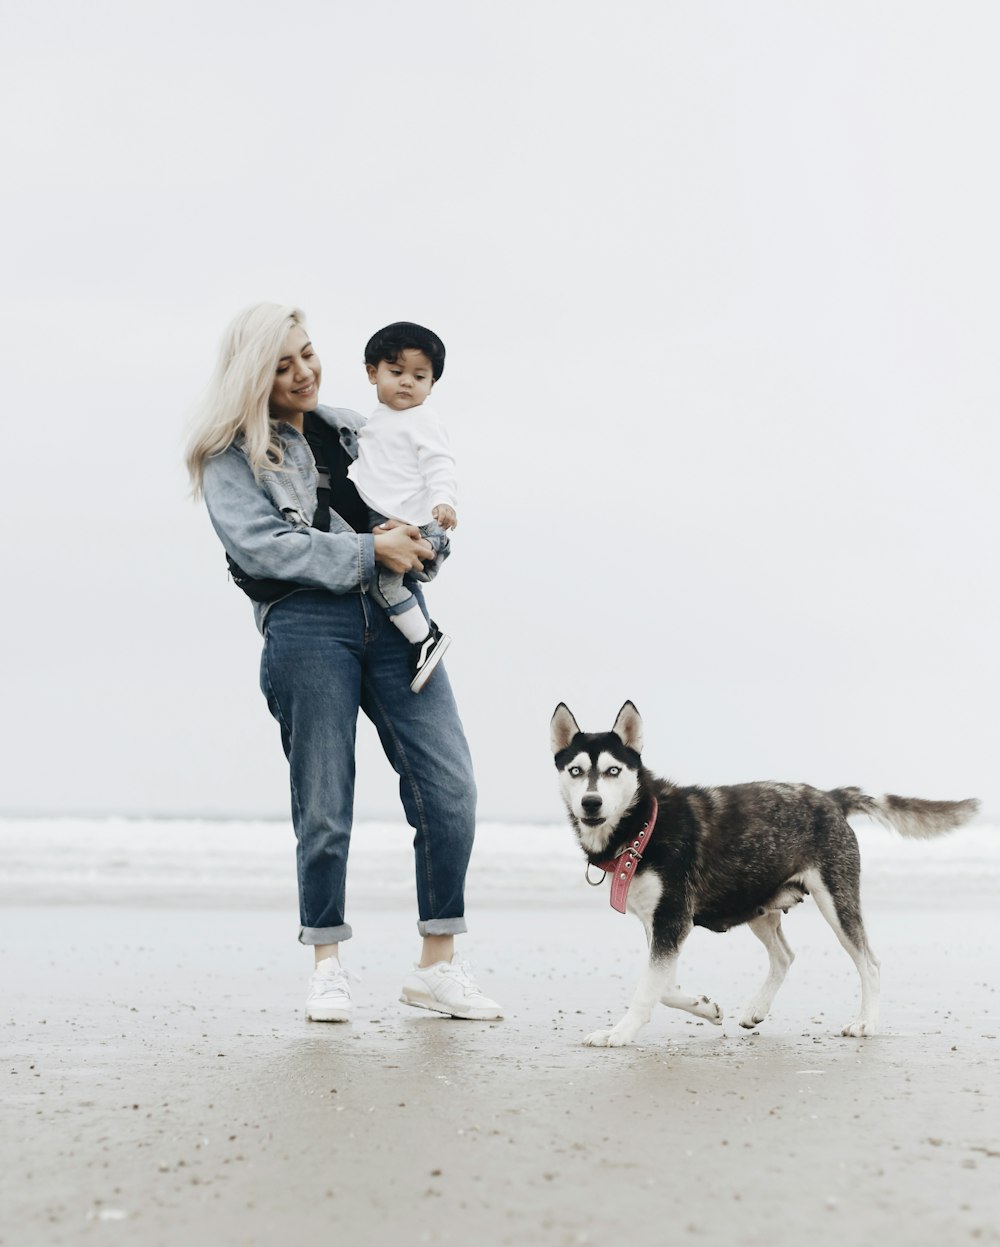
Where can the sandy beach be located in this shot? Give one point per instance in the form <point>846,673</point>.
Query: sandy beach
<point>163,1087</point>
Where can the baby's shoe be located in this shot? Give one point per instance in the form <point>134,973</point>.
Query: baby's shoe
<point>425,656</point>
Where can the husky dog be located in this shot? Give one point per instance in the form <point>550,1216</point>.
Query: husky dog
<point>720,857</point>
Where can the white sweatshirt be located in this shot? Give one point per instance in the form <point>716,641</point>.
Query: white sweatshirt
<point>405,466</point>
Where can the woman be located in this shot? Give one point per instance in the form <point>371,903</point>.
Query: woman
<point>297,542</point>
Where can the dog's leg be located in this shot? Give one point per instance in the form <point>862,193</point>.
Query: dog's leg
<point>657,977</point>
<point>675,998</point>
<point>658,982</point>
<point>768,930</point>
<point>839,902</point>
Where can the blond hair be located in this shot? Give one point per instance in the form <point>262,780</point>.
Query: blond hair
<point>235,402</point>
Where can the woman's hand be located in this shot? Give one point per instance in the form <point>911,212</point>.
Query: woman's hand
<point>401,548</point>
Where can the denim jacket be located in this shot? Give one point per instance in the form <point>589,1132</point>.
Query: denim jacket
<point>265,526</point>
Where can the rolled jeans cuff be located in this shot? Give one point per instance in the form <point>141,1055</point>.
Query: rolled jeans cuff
<point>442,926</point>
<point>325,935</point>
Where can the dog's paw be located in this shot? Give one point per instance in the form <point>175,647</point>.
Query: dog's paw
<point>753,1014</point>
<point>709,1010</point>
<point>860,1029</point>
<point>620,1038</point>
<point>615,1038</point>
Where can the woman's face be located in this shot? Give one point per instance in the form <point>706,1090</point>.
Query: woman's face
<point>296,379</point>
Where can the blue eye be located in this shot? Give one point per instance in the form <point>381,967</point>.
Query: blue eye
<point>614,770</point>
<point>576,771</point>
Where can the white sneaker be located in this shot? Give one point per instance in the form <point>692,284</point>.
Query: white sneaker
<point>329,998</point>
<point>448,987</point>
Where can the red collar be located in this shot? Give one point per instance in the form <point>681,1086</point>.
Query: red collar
<point>622,867</point>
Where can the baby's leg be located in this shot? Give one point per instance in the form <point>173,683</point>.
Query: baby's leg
<point>436,535</point>
<point>400,605</point>
<point>390,592</point>
<point>427,642</point>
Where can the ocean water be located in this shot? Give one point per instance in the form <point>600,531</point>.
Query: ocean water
<point>201,863</point>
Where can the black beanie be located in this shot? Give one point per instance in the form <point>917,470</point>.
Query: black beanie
<point>404,335</point>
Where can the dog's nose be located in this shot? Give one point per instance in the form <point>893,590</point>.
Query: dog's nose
<point>591,803</point>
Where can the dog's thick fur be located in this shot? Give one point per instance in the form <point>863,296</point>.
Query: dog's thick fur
<point>720,857</point>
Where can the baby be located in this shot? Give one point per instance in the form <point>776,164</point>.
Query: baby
<point>405,471</point>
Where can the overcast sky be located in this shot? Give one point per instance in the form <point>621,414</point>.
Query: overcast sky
<point>719,287</point>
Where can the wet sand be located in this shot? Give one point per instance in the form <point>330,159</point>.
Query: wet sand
<point>162,1087</point>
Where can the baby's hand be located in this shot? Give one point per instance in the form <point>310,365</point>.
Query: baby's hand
<point>445,515</point>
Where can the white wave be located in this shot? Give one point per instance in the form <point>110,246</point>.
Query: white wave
<point>201,862</point>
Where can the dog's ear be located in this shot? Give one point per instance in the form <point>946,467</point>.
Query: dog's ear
<point>563,728</point>
<point>628,727</point>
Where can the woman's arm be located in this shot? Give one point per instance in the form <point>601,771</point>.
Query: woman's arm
<point>261,540</point>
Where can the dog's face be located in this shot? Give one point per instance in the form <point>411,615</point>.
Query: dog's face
<point>598,772</point>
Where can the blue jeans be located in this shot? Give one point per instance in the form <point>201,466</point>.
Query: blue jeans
<point>325,656</point>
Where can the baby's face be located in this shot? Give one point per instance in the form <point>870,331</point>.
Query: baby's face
<point>405,382</point>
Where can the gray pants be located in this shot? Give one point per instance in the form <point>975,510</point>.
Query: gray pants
<point>389,589</point>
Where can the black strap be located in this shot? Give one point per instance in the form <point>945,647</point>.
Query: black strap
<point>335,490</point>
<point>258,589</point>
<point>320,435</point>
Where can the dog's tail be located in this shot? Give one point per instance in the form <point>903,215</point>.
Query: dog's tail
<point>910,816</point>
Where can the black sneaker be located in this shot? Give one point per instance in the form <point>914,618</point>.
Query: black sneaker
<point>425,656</point>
